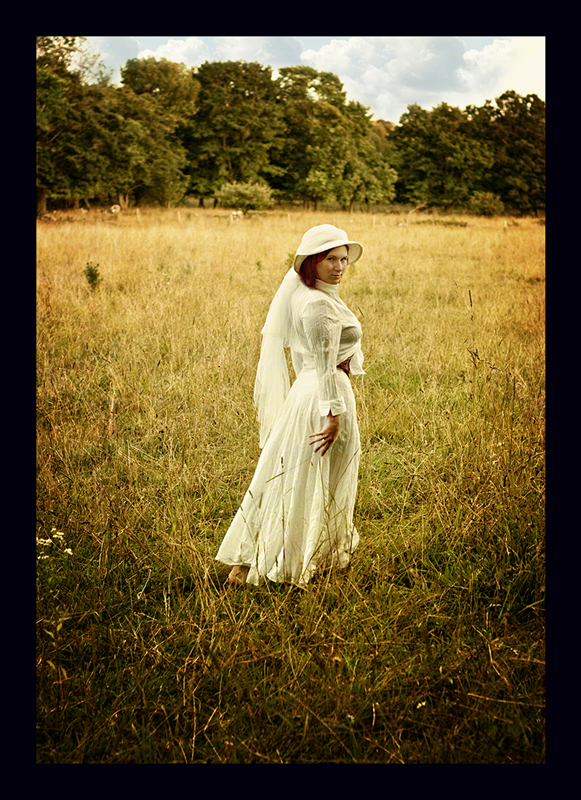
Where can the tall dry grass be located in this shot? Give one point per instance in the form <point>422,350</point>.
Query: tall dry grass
<point>431,647</point>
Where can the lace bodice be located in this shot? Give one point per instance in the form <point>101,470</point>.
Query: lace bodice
<point>324,334</point>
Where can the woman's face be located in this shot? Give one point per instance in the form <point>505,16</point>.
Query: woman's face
<point>331,268</point>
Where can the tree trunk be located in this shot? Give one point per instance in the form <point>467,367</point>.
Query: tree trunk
<point>41,194</point>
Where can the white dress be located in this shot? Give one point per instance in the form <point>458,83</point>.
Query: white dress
<point>297,515</point>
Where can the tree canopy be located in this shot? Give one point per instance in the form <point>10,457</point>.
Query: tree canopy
<point>170,131</point>
<point>235,128</point>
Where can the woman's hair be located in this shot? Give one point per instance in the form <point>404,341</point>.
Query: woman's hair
<point>308,269</point>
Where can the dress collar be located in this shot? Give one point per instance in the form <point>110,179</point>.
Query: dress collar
<point>328,288</point>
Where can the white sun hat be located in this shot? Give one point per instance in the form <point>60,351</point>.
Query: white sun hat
<point>325,237</point>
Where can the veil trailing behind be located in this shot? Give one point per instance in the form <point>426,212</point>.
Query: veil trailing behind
<point>272,382</point>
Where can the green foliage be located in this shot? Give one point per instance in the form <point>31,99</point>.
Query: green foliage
<point>149,163</point>
<point>172,85</point>
<point>367,177</point>
<point>55,54</point>
<point>245,196</point>
<point>486,204</point>
<point>91,273</point>
<point>331,150</point>
<point>237,125</point>
<point>97,140</point>
<point>515,130</point>
<point>444,156</point>
<point>436,162</point>
<point>170,130</point>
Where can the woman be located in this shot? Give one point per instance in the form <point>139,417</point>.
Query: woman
<point>297,515</point>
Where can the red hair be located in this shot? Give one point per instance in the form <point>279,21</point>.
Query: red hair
<point>308,269</point>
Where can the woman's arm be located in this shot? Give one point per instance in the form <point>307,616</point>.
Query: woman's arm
<point>323,333</point>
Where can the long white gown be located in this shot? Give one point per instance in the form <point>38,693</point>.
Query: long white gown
<point>297,515</point>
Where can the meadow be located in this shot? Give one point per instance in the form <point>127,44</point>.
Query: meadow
<point>430,647</point>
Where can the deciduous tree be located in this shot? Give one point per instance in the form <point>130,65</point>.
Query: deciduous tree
<point>174,86</point>
<point>99,140</point>
<point>367,177</point>
<point>437,162</point>
<point>515,129</point>
<point>236,126</point>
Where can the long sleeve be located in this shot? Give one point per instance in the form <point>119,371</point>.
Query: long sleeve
<point>323,331</point>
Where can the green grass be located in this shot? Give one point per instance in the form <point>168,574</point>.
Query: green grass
<point>430,648</point>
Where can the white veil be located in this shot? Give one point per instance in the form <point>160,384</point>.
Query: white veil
<point>272,379</point>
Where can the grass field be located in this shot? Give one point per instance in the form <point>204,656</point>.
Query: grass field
<point>430,648</point>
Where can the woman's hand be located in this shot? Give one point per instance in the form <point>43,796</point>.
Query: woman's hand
<point>325,438</point>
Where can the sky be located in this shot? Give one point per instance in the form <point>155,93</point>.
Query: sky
<point>385,73</point>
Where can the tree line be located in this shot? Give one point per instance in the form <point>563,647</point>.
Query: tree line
<point>169,132</point>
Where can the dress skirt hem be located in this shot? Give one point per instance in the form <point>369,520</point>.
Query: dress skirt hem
<point>297,514</point>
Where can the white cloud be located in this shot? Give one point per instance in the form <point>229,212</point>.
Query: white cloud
<point>243,48</point>
<point>341,56</point>
<point>387,73</point>
<point>517,64</point>
<point>272,51</point>
<point>191,51</point>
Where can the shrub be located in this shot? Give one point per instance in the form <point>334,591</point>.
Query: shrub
<point>244,196</point>
<point>91,273</point>
<point>486,204</point>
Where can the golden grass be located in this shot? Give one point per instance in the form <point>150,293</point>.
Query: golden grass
<point>147,439</point>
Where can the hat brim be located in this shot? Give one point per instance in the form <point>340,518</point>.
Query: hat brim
<point>355,251</point>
